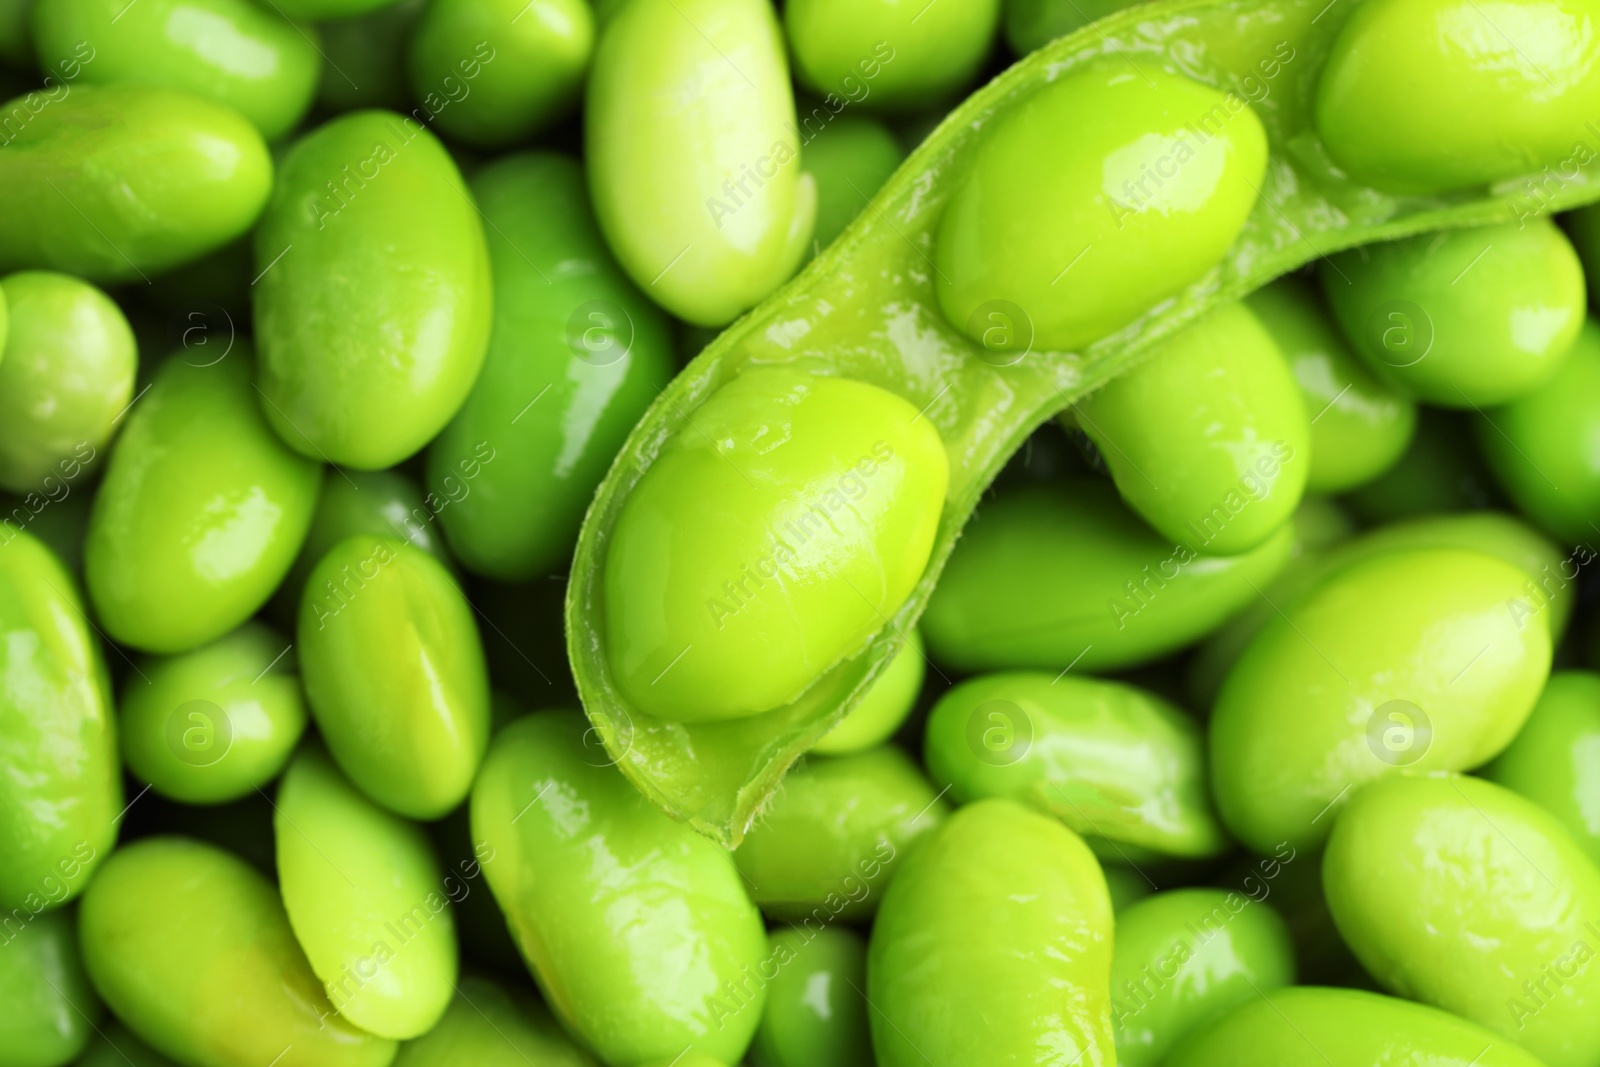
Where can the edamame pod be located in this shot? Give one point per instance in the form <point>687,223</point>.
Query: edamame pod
<point>693,155</point>
<point>217,723</point>
<point>60,786</point>
<point>993,946</point>
<point>575,357</point>
<point>1408,659</point>
<point>189,945</point>
<point>883,54</point>
<point>115,183</point>
<point>395,674</point>
<point>372,306</point>
<point>49,1007</point>
<point>833,838</point>
<point>850,158</point>
<point>885,706</point>
<point>201,512</point>
<point>816,1013</point>
<point>364,895</point>
<point>490,1026</point>
<point>1208,439</point>
<point>1120,766</point>
<point>228,51</point>
<point>1462,894</point>
<point>637,928</point>
<point>1554,760</point>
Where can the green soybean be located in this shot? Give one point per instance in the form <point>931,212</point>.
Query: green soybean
<point>365,897</point>
<point>395,675</point>
<point>366,354</point>
<point>1555,759</point>
<point>883,54</point>
<point>1207,439</point>
<point>993,946</point>
<point>834,837</point>
<point>189,945</point>
<point>217,723</point>
<point>1360,426</point>
<point>1462,894</point>
<point>693,154</point>
<point>60,786</point>
<point>201,512</point>
<point>816,1013</point>
<point>850,158</point>
<point>1120,766</point>
<point>884,707</point>
<point>575,357</point>
<point>50,1008</point>
<point>227,51</point>
<point>638,929</point>
<point>1409,659</point>
<point>488,1025</point>
<point>67,366</point>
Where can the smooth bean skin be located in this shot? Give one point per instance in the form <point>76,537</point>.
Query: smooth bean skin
<point>201,512</point>
<point>217,723</point>
<point>905,55</point>
<point>884,707</point>
<point>1361,425</point>
<point>363,891</point>
<point>60,786</point>
<point>488,1025</point>
<point>1415,96</point>
<point>1033,23</point>
<point>993,947</point>
<point>1187,956</point>
<point>638,929</point>
<point>772,542</point>
<point>850,159</point>
<point>1459,893</point>
<point>1120,766</point>
<point>815,1014</point>
<point>395,674</point>
<point>1555,759</point>
<point>1207,438</point>
<point>1050,574</point>
<point>228,51</point>
<point>532,73</point>
<point>116,1046</point>
<point>1348,1025</point>
<point>693,156</point>
<point>189,945</point>
<point>373,324</point>
<point>1036,198</point>
<point>160,178</point>
<point>1537,444</point>
<point>576,355</point>
<point>50,1009</point>
<point>66,373</point>
<point>1465,318</point>
<point>1354,682</point>
<point>835,836</point>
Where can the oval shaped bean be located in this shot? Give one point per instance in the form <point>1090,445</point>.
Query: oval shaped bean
<point>850,157</point>
<point>488,1025</point>
<point>1409,659</point>
<point>60,786</point>
<point>522,64</point>
<point>885,705</point>
<point>1462,894</point>
<point>1360,426</point>
<point>1351,1026</point>
<point>575,357</point>
<point>993,947</point>
<point>1426,96</point>
<point>189,945</point>
<point>1063,217</point>
<point>395,674</point>
<point>1555,759</point>
<point>1063,575</point>
<point>1120,766</point>
<point>50,1008</point>
<point>816,1013</point>
<point>768,543</point>
<point>887,55</point>
<point>1207,439</point>
<point>227,51</point>
<point>833,838</point>
<point>637,928</point>
<point>114,183</point>
<point>372,305</point>
<point>217,723</point>
<point>1462,318</point>
<point>201,512</point>
<point>1185,957</point>
<point>363,892</point>
<point>693,155</point>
